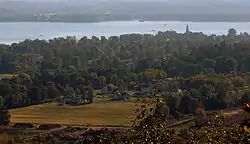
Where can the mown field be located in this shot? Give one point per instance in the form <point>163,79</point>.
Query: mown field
<point>106,113</point>
<point>7,75</point>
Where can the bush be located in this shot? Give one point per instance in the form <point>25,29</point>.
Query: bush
<point>4,116</point>
<point>48,126</point>
<point>23,125</point>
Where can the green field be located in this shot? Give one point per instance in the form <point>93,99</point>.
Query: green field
<point>106,113</point>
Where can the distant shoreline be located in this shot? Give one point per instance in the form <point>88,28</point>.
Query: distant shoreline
<point>104,21</point>
<point>15,32</point>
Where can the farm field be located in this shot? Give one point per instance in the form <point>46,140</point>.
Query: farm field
<point>7,75</point>
<point>106,113</point>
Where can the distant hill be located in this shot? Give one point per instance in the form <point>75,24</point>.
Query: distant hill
<point>98,10</point>
<point>5,12</point>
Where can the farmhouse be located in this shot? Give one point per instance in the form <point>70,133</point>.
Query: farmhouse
<point>110,89</point>
<point>146,89</point>
<point>166,92</point>
<point>120,96</point>
<point>72,100</point>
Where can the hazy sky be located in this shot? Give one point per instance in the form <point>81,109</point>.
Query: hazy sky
<point>82,1</point>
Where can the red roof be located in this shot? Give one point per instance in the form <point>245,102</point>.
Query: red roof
<point>246,106</point>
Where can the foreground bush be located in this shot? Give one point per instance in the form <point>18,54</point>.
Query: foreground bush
<point>152,129</point>
<point>150,126</point>
<point>48,126</point>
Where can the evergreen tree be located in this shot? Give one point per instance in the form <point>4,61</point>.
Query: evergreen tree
<point>4,116</point>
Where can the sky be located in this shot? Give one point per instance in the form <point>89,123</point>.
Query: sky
<point>82,1</point>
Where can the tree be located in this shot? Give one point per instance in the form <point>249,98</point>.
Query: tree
<point>232,32</point>
<point>245,97</point>
<point>7,57</point>
<point>4,116</point>
<point>24,78</point>
<point>35,94</point>
<point>206,91</point>
<point>209,64</point>
<point>188,104</point>
<point>231,64</point>
<point>102,81</point>
<point>194,93</point>
<point>69,91</point>
<point>163,109</point>
<point>90,94</point>
<point>1,101</point>
<point>75,61</point>
<point>53,92</point>
<point>173,102</point>
<point>238,81</point>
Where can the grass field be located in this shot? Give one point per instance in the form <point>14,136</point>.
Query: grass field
<point>7,75</point>
<point>107,113</point>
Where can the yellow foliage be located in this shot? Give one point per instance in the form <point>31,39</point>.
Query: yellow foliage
<point>5,138</point>
<point>155,73</point>
<point>247,130</point>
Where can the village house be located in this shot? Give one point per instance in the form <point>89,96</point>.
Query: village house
<point>110,89</point>
<point>146,89</point>
<point>72,100</point>
<point>166,92</point>
<point>120,96</point>
<point>126,61</point>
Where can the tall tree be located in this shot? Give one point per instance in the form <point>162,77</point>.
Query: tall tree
<point>4,116</point>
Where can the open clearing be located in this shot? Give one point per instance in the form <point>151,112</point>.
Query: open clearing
<point>107,113</point>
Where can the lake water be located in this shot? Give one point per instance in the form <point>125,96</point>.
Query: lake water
<point>19,31</point>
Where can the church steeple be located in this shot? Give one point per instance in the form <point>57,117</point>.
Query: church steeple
<point>187,29</point>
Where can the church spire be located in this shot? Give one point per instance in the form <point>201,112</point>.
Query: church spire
<point>187,29</point>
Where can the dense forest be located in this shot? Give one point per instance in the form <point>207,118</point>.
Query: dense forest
<point>211,70</point>
<point>187,71</point>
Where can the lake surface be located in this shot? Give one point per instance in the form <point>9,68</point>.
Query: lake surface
<point>19,31</point>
